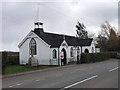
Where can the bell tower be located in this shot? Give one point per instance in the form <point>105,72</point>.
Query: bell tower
<point>38,25</point>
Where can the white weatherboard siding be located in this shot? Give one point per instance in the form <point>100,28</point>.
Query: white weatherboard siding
<point>43,53</point>
<point>69,56</point>
<point>75,54</point>
<point>24,52</point>
<point>24,48</point>
<point>92,45</point>
<point>89,48</point>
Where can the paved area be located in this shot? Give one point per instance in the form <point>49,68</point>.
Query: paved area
<point>95,75</point>
<point>0,81</point>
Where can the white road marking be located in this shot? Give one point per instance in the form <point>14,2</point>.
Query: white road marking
<point>15,85</point>
<point>113,69</point>
<point>58,75</point>
<point>39,79</point>
<point>80,82</point>
<point>78,70</point>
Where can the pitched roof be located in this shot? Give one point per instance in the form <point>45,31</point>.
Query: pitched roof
<point>55,40</point>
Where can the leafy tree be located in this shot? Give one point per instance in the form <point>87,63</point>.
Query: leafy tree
<point>81,31</point>
<point>102,43</point>
<point>108,39</point>
<point>113,41</point>
<point>119,43</point>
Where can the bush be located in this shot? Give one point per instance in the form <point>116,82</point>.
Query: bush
<point>10,58</point>
<point>96,57</point>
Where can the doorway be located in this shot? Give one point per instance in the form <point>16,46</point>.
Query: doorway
<point>64,60</point>
<point>86,50</point>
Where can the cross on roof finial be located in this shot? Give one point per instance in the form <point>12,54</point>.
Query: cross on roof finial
<point>38,13</point>
<point>38,23</point>
<point>37,16</point>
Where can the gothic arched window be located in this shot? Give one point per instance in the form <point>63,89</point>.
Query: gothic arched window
<point>92,49</point>
<point>78,50</point>
<point>54,53</point>
<point>33,50</point>
<point>71,52</point>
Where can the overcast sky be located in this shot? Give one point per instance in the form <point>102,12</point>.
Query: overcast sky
<point>58,17</point>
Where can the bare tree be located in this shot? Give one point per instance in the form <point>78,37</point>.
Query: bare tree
<point>105,29</point>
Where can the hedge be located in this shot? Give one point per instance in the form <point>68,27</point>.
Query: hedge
<point>9,58</point>
<point>96,57</point>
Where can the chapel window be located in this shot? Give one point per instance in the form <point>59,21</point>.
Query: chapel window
<point>71,52</point>
<point>54,54</point>
<point>33,50</point>
<point>92,50</point>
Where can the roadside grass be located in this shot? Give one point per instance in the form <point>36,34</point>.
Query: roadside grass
<point>19,68</point>
<point>73,62</point>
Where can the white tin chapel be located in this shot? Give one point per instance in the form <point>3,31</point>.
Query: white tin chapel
<point>53,49</point>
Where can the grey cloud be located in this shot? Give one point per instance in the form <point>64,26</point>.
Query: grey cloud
<point>18,18</point>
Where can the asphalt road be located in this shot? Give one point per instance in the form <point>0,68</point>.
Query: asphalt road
<point>95,75</point>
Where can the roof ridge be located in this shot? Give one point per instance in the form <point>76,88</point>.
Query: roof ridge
<point>58,34</point>
<point>55,39</point>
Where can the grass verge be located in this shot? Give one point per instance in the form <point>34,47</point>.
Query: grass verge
<point>19,68</point>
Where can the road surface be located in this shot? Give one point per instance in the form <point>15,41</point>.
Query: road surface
<point>94,75</point>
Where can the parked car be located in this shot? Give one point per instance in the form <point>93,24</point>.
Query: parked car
<point>118,55</point>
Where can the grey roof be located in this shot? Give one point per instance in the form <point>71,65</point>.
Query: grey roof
<point>55,40</point>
